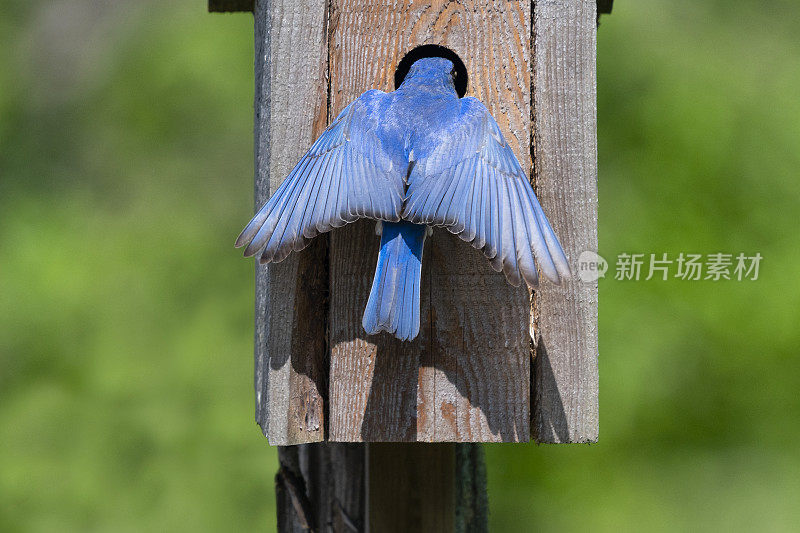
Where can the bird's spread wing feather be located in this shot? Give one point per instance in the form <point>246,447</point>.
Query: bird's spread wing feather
<point>346,175</point>
<point>472,184</point>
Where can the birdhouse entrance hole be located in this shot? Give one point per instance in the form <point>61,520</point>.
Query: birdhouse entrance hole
<point>433,50</point>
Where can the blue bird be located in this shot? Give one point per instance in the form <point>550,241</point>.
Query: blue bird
<point>412,159</point>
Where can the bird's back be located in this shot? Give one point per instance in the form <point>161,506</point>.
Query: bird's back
<point>415,119</point>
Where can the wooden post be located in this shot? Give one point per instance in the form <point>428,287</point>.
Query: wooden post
<point>385,487</point>
<point>492,363</point>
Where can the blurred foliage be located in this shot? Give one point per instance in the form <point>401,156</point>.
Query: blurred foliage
<point>126,320</point>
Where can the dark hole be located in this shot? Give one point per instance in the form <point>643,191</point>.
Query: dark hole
<point>433,50</point>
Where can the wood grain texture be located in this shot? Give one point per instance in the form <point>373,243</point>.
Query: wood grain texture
<point>466,378</point>
<point>322,487</point>
<point>565,167</point>
<point>393,486</point>
<point>373,381</point>
<point>412,487</point>
<point>290,112</point>
<point>294,509</point>
<point>223,6</point>
<point>472,500</point>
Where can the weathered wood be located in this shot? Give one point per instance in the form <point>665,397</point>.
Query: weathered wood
<point>294,508</point>
<point>466,378</point>
<point>565,168</point>
<point>395,487</point>
<point>290,112</point>
<point>427,487</point>
<point>373,381</point>
<point>472,502</point>
<point>321,486</point>
<point>412,487</point>
<point>223,6</point>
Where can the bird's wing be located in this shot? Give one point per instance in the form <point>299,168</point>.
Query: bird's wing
<point>346,175</point>
<point>472,184</point>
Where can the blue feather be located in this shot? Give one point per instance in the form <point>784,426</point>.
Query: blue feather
<point>393,304</point>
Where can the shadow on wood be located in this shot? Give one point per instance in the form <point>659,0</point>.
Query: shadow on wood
<point>552,424</point>
<point>456,381</point>
<point>308,338</point>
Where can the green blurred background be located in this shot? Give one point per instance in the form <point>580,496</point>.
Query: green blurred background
<point>126,399</point>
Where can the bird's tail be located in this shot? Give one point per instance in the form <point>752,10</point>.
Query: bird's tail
<point>393,303</point>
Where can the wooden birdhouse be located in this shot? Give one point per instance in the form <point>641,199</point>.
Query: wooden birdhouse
<point>492,362</point>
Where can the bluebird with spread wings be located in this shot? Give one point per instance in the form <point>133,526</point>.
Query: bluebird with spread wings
<point>412,159</point>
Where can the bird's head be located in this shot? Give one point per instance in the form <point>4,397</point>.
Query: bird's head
<point>433,72</point>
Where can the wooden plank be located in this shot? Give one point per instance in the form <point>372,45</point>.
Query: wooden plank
<point>480,373</point>
<point>348,484</point>
<point>373,381</point>
<point>565,167</point>
<point>225,6</point>
<point>466,378</point>
<point>290,112</point>
<point>294,509</point>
